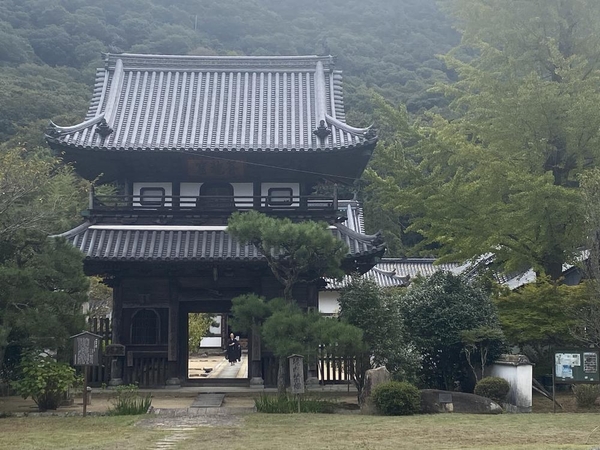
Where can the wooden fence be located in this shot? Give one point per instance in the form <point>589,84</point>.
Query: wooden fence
<point>148,370</point>
<point>335,369</point>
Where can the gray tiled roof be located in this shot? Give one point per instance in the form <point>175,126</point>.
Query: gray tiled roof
<point>395,272</point>
<point>185,243</point>
<point>197,103</point>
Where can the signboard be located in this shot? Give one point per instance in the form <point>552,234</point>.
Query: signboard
<point>86,349</point>
<point>86,352</point>
<point>576,366</point>
<point>296,374</point>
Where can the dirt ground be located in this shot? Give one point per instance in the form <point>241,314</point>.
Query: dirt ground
<point>102,402</point>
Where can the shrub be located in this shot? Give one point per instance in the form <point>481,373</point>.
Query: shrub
<point>288,404</point>
<point>494,388</point>
<point>128,401</point>
<point>586,394</point>
<point>397,398</point>
<point>44,380</point>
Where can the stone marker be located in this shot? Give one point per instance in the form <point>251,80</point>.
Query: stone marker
<point>436,401</point>
<point>373,378</point>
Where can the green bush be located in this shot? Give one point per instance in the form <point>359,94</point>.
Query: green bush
<point>494,388</point>
<point>586,394</point>
<point>44,380</point>
<point>397,398</point>
<point>288,404</point>
<point>128,401</point>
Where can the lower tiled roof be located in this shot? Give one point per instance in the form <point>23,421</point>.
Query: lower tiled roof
<point>397,272</point>
<point>187,243</point>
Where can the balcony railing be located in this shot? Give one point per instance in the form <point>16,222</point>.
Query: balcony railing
<point>210,204</point>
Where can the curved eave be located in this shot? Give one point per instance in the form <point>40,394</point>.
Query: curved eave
<point>53,141</point>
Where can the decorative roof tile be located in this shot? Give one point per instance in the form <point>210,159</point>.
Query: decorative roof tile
<point>197,103</point>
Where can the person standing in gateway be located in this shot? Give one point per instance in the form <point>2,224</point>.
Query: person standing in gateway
<point>232,349</point>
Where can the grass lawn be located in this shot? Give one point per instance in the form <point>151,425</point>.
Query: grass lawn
<point>308,431</point>
<point>71,433</point>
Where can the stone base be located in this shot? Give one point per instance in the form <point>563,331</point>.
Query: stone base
<point>257,383</point>
<point>115,382</point>
<point>312,381</point>
<point>173,383</point>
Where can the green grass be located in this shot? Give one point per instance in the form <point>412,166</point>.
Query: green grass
<point>75,433</point>
<point>316,431</point>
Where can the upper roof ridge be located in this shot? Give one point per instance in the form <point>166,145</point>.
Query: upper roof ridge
<point>232,63</point>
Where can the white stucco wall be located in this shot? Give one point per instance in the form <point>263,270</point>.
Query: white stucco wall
<point>519,377</point>
<point>213,342</point>
<point>328,302</point>
<point>166,186</point>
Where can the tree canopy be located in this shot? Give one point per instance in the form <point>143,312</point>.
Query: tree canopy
<point>438,311</point>
<point>42,285</point>
<point>501,175</point>
<point>296,252</point>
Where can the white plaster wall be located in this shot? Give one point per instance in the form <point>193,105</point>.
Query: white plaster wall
<point>519,377</point>
<point>214,342</point>
<point>166,186</point>
<point>328,302</point>
<point>189,190</point>
<point>264,189</point>
<point>244,190</point>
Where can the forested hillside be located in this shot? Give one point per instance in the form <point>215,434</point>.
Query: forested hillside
<point>49,49</point>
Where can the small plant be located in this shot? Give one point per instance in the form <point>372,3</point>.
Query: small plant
<point>44,380</point>
<point>128,401</point>
<point>397,398</point>
<point>494,388</point>
<point>586,395</point>
<point>288,404</point>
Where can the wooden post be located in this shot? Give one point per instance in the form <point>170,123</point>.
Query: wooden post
<point>91,197</point>
<point>85,378</point>
<point>335,197</point>
<point>554,385</point>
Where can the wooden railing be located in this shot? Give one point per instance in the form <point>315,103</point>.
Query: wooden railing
<point>202,204</point>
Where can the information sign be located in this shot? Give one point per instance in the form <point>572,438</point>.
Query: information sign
<point>576,366</point>
<point>86,349</point>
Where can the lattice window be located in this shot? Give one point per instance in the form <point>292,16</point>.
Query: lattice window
<point>280,196</point>
<point>152,196</point>
<point>145,326</point>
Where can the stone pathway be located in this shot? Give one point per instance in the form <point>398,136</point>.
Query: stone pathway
<point>180,434</point>
<point>182,422</point>
<point>208,401</point>
<point>230,371</point>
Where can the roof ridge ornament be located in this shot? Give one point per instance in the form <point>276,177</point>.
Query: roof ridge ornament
<point>103,129</point>
<point>322,131</point>
<point>52,130</point>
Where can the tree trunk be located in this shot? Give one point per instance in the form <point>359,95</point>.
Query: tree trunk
<point>281,376</point>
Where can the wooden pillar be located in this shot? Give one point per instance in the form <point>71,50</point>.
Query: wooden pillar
<point>173,341</point>
<point>255,360</point>
<point>116,366</point>
<point>304,193</point>
<point>257,192</point>
<point>312,302</point>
